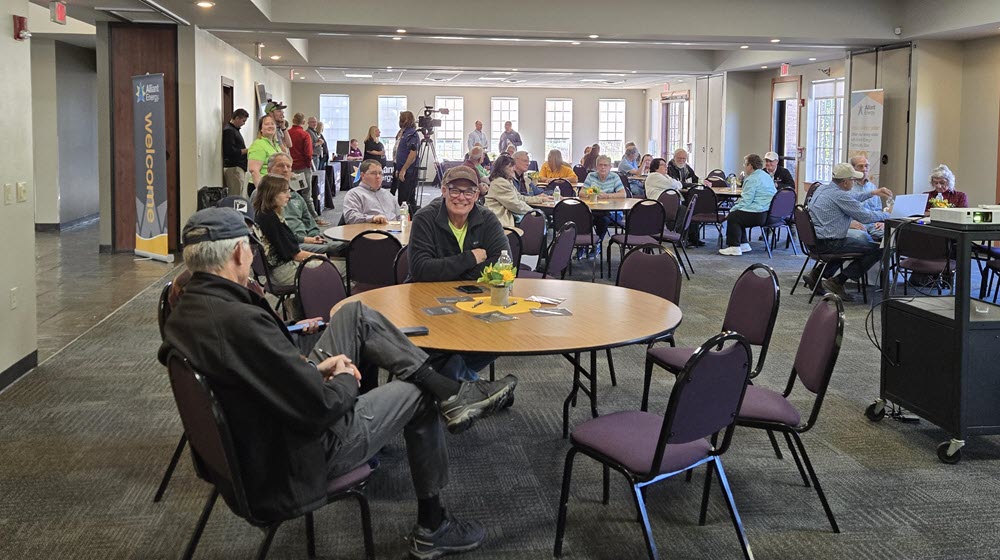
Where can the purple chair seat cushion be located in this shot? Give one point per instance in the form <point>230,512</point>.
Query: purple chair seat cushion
<point>633,239</point>
<point>673,359</point>
<point>349,479</point>
<point>926,266</point>
<point>765,404</point>
<point>630,438</point>
<point>709,218</point>
<point>670,236</point>
<point>522,273</point>
<point>584,240</point>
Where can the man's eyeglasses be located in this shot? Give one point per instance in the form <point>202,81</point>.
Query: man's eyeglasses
<point>456,192</point>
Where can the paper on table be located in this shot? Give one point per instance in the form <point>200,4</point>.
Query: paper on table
<point>545,299</point>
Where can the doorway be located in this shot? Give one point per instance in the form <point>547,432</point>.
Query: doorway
<point>227,113</point>
<point>785,114</point>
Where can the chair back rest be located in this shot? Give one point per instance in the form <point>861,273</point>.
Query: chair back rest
<point>707,394</point>
<point>533,238</point>
<point>811,192</point>
<point>652,269</point>
<point>319,287</point>
<point>688,215</point>
<point>581,173</point>
<point>239,203</point>
<point>514,240</point>
<point>561,251</point>
<point>573,210</point>
<point>208,433</point>
<point>707,202</point>
<point>564,186</point>
<point>259,267</point>
<point>670,199</point>
<point>624,179</point>
<point>753,304</point>
<point>370,258</point>
<point>716,173</point>
<point>445,166</point>
<point>163,307</point>
<point>782,204</point>
<point>533,165</point>
<point>401,266</point>
<point>914,243</point>
<point>804,227</point>
<point>717,178</point>
<point>819,345</point>
<point>645,218</point>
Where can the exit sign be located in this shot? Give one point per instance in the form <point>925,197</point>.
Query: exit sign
<point>57,12</point>
<point>784,68</point>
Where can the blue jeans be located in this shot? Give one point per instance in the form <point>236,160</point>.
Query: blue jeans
<point>871,252</point>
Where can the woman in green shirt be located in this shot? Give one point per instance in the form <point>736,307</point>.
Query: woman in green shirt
<point>262,148</point>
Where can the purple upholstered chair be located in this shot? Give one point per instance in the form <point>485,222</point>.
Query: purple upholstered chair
<point>647,448</point>
<point>401,265</point>
<point>514,241</point>
<point>560,254</point>
<point>576,211</point>
<point>262,275</point>
<point>581,173</point>
<point>565,187</point>
<point>706,209</point>
<point>320,287</point>
<point>807,241</point>
<point>678,236</point>
<point>216,462</point>
<point>671,201</point>
<point>919,252</point>
<point>814,362</point>
<point>645,220</point>
<point>752,312</point>
<point>370,259</point>
<point>779,215</point>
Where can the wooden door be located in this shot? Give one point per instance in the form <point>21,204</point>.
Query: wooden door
<point>134,50</point>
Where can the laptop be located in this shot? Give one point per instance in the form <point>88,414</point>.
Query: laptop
<point>906,205</point>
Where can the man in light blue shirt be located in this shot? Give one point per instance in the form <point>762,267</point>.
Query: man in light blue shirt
<point>476,136</point>
<point>862,186</point>
<point>832,208</point>
<point>751,209</point>
<point>629,165</point>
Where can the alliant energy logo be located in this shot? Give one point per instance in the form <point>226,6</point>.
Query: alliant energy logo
<point>147,93</point>
<point>150,174</point>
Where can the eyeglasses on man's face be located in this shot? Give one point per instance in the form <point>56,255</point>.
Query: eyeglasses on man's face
<point>456,192</point>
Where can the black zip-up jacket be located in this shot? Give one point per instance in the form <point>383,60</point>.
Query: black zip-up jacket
<point>434,252</point>
<point>277,405</point>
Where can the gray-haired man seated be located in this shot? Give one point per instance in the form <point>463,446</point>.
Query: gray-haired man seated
<point>299,421</point>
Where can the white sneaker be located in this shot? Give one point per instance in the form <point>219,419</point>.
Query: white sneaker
<point>745,247</point>
<point>731,251</point>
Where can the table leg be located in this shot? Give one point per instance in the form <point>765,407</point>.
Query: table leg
<point>589,390</point>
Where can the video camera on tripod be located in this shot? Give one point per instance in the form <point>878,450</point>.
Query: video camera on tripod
<point>426,123</point>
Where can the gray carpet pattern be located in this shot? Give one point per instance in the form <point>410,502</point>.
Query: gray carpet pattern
<point>84,440</point>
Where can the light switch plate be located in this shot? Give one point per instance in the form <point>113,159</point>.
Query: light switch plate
<point>22,191</point>
<point>13,298</point>
<point>8,194</point>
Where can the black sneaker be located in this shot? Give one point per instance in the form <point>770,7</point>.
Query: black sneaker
<point>831,285</point>
<point>451,537</point>
<point>475,400</point>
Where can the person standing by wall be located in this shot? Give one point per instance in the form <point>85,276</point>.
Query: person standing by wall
<point>234,154</point>
<point>302,148</point>
<point>407,143</point>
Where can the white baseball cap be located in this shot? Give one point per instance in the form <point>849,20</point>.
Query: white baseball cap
<point>846,171</point>
<point>771,156</point>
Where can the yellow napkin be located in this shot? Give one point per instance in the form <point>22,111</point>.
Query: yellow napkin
<point>521,305</point>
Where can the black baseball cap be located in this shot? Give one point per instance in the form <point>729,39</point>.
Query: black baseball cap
<point>215,224</point>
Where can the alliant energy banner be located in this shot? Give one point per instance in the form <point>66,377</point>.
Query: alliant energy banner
<point>865,133</point>
<point>150,168</point>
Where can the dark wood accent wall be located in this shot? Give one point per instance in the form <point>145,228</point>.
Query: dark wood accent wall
<point>140,49</point>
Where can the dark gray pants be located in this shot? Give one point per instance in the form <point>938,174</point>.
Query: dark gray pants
<point>366,337</point>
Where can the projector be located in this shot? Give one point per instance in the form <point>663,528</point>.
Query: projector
<point>987,217</point>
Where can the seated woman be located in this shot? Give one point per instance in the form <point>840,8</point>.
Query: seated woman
<point>644,163</point>
<point>611,186</point>
<point>751,209</point>
<point>503,198</point>
<point>281,248</point>
<point>586,152</point>
<point>658,180</point>
<point>555,168</point>
<point>943,183</point>
<point>590,160</point>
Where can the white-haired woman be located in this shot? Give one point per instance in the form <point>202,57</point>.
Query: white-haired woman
<point>943,188</point>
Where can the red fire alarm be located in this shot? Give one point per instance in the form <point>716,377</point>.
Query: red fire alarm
<point>21,28</point>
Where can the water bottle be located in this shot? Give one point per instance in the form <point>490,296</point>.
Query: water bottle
<point>404,218</point>
<point>505,260</point>
<point>939,196</point>
<point>556,194</point>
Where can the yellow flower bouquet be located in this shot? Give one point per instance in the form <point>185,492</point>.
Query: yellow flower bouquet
<point>940,203</point>
<point>591,190</point>
<point>497,275</point>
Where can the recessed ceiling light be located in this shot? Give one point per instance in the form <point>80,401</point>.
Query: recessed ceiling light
<point>205,4</point>
<point>513,69</point>
<point>275,57</point>
<point>634,71</point>
<point>593,36</point>
<point>575,43</point>
<point>397,38</point>
<point>357,75</point>
<point>744,46</point>
<point>302,77</point>
<point>388,67</point>
<point>775,40</point>
<point>812,58</point>
<point>763,67</point>
<point>400,31</point>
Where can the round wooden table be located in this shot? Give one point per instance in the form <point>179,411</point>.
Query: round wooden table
<point>603,205</point>
<point>348,232</point>
<point>603,317</point>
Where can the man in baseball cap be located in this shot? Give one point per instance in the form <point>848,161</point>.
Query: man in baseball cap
<point>782,177</point>
<point>832,208</point>
<point>299,422</point>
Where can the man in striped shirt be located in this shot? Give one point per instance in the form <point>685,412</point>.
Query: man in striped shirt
<point>832,208</point>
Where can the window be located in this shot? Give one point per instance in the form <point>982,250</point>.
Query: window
<point>502,109</point>
<point>559,127</point>
<point>827,127</point>
<point>335,114</point>
<point>389,108</point>
<point>448,137</point>
<point>677,125</point>
<point>611,127</point>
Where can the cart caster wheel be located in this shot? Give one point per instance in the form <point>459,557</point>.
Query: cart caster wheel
<point>875,411</point>
<point>942,453</point>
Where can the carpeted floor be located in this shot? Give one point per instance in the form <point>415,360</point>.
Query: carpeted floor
<point>85,437</point>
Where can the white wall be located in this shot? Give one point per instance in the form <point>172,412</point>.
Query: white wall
<point>531,109</point>
<point>76,74</point>
<point>44,122</point>
<point>977,172</point>
<point>937,87</point>
<point>743,127</point>
<point>18,327</point>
